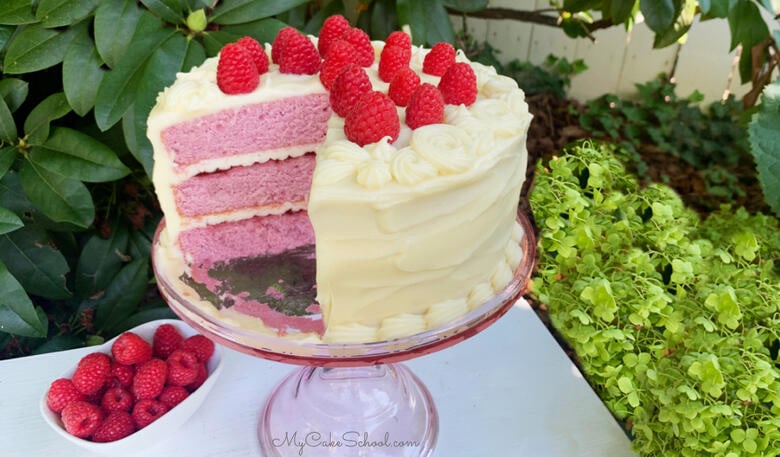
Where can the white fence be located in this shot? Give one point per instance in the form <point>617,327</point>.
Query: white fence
<point>618,60</point>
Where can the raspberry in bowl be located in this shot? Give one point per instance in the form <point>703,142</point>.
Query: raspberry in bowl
<point>133,390</point>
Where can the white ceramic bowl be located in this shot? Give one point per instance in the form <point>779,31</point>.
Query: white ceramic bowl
<point>157,430</point>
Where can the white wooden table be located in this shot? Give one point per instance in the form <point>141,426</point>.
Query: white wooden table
<point>510,391</point>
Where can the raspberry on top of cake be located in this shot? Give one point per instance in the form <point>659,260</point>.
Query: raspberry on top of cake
<point>402,165</point>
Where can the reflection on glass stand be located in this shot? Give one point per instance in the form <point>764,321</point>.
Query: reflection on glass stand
<point>349,400</point>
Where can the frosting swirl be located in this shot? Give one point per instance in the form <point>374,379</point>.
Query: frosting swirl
<point>445,146</point>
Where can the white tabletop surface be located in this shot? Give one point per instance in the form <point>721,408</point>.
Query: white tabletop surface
<point>510,391</point>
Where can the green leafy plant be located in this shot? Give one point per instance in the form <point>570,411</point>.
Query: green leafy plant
<point>670,22</point>
<point>764,133</point>
<point>674,319</point>
<point>712,141</point>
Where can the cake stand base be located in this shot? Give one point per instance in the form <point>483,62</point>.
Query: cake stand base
<point>375,410</point>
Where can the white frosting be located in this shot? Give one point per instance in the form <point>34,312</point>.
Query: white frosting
<point>410,234</point>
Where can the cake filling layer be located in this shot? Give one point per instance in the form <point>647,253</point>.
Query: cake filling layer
<point>247,129</point>
<point>270,184</point>
<point>267,235</point>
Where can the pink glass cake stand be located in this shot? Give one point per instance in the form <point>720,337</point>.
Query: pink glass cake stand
<point>349,399</point>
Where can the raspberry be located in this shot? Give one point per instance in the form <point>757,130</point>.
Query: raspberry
<point>373,118</point>
<point>173,395</point>
<point>362,44</point>
<point>203,374</point>
<point>279,42</point>
<point>149,379</point>
<point>182,368</point>
<point>458,85</point>
<point>255,49</point>
<point>299,56</point>
<point>426,106</point>
<point>131,349</point>
<point>61,393</point>
<point>332,29</point>
<point>92,373</point>
<point>200,345</point>
<point>166,339</point>
<point>116,426</point>
<point>236,71</point>
<point>117,399</point>
<point>147,411</point>
<point>392,60</point>
<point>81,418</point>
<point>347,89</point>
<point>121,375</point>
<point>403,85</point>
<point>439,59</point>
<point>399,39</point>
<point>339,56</point>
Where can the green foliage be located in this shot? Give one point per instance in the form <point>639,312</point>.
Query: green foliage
<point>552,76</point>
<point>674,319</point>
<point>764,133</point>
<point>712,141</point>
<point>670,21</point>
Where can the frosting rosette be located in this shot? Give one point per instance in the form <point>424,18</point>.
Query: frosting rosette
<point>447,147</point>
<point>409,168</point>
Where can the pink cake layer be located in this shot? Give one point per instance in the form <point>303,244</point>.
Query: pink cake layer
<point>266,235</point>
<point>292,121</point>
<point>267,184</point>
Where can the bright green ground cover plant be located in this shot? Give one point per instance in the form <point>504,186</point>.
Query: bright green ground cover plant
<point>675,320</point>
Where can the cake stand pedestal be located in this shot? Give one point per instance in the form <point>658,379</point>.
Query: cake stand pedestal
<point>347,400</point>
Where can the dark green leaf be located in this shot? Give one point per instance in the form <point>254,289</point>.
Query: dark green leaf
<point>314,25</point>
<point>146,315</point>
<point>30,257</point>
<point>60,343</point>
<point>168,10</point>
<point>214,41</point>
<point>81,73</point>
<point>680,27</point>
<point>13,197</point>
<point>60,198</point>
<point>17,12</point>
<point>160,72</point>
<point>467,6</point>
<point>18,315</point>
<point>9,221</point>
<point>123,295</point>
<point>193,5</point>
<point>715,8</point>
<point>8,133</point>
<point>621,10</point>
<point>238,11</point>
<point>765,144</point>
<point>576,6</point>
<point>439,26</point>
<point>14,92</point>
<point>264,30</point>
<point>117,91</point>
<point>75,155</point>
<point>659,14</point>
<point>139,245</point>
<point>747,27</point>
<point>383,19</point>
<point>36,48</point>
<point>115,24</point>
<point>7,157</point>
<point>58,13</point>
<point>36,126</point>
<point>100,260</point>
<point>195,56</point>
<point>5,34</point>
<point>412,13</point>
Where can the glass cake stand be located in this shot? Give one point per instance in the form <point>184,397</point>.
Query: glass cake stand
<point>348,400</point>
